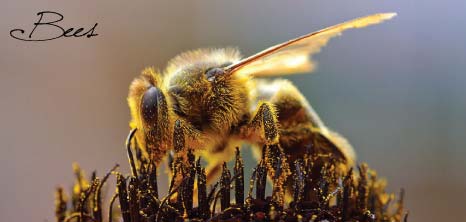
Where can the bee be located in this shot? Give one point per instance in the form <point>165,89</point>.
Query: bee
<point>211,100</point>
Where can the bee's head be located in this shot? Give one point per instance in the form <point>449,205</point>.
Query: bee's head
<point>150,114</point>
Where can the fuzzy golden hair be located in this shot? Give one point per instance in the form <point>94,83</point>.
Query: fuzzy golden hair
<point>207,98</point>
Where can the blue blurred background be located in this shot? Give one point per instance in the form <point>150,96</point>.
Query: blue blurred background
<point>395,90</point>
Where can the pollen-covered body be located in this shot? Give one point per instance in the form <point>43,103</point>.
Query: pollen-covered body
<point>209,100</point>
<point>191,107</point>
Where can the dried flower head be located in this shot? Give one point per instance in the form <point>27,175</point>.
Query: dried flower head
<point>320,192</point>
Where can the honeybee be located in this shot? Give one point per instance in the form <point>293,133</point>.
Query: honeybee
<point>209,100</point>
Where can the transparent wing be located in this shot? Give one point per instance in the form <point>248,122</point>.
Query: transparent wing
<point>294,56</point>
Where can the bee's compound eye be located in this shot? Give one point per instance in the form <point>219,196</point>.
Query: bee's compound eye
<point>149,104</point>
<point>213,72</point>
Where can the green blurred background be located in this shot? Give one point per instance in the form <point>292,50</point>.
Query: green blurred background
<point>395,90</point>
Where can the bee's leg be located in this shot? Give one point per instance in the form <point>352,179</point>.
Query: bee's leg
<point>185,138</point>
<point>179,143</point>
<point>264,124</point>
<point>178,161</point>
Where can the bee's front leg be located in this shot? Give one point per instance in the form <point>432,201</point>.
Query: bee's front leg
<point>179,143</point>
<point>182,143</point>
<point>264,128</point>
<point>182,162</point>
<point>185,138</point>
<point>177,161</point>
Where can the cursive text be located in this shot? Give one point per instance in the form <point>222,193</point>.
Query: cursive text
<point>50,24</point>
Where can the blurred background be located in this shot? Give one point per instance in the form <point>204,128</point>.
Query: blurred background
<point>396,90</point>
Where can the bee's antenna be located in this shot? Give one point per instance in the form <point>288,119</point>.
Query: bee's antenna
<point>130,152</point>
